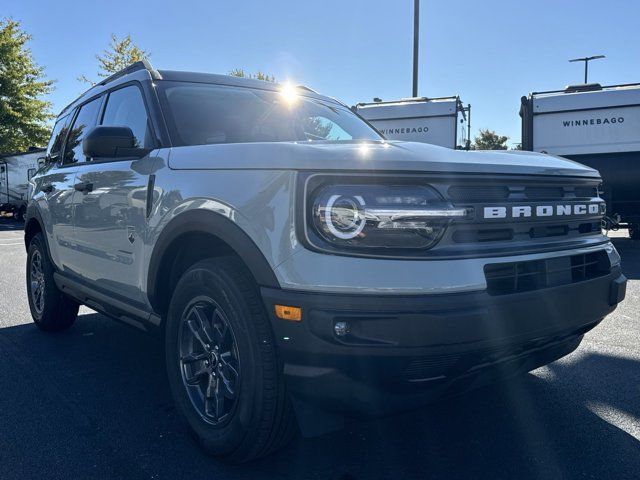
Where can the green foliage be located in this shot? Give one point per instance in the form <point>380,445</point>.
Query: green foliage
<point>489,140</point>
<point>239,72</point>
<point>23,112</point>
<point>118,55</point>
<point>315,129</point>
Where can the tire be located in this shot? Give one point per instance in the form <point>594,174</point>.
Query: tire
<point>217,299</point>
<point>19,214</point>
<point>51,309</point>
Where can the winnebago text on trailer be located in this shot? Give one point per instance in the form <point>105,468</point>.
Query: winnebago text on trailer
<point>421,119</point>
<point>16,169</point>
<point>599,127</point>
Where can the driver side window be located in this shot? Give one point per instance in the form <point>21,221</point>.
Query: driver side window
<point>125,107</point>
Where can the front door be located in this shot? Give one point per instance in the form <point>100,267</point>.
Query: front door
<point>110,207</point>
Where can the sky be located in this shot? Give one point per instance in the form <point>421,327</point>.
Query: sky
<point>489,52</point>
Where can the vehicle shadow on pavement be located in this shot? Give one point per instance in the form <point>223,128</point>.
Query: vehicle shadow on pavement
<point>629,250</point>
<point>94,403</point>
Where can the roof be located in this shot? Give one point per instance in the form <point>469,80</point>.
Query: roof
<point>585,88</point>
<point>143,70</point>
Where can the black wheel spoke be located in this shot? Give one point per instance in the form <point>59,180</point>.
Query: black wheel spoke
<point>212,384</point>
<point>194,357</point>
<point>196,377</point>
<point>196,334</point>
<point>221,329</point>
<point>229,364</point>
<point>218,401</point>
<point>201,318</point>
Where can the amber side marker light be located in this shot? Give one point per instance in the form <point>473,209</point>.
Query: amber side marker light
<point>293,314</point>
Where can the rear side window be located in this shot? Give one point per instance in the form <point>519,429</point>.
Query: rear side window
<point>57,138</point>
<point>125,107</point>
<point>85,121</point>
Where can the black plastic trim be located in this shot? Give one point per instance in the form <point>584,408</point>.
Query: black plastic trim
<point>108,304</point>
<point>203,221</point>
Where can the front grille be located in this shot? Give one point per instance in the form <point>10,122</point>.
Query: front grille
<point>522,232</point>
<point>478,193</point>
<point>544,193</point>
<point>494,193</point>
<point>517,277</point>
<point>476,231</point>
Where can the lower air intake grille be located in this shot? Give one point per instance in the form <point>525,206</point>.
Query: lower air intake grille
<point>516,277</point>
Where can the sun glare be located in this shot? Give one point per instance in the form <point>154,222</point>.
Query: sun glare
<point>289,93</point>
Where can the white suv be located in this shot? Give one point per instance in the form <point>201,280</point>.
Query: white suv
<point>301,267</point>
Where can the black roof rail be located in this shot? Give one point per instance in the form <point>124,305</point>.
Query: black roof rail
<point>134,67</point>
<point>304,87</point>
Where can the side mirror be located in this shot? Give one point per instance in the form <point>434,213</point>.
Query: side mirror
<point>104,142</point>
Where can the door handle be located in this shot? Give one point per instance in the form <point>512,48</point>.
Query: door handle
<point>48,188</point>
<point>84,187</point>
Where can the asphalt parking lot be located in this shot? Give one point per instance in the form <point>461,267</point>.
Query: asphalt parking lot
<point>93,403</point>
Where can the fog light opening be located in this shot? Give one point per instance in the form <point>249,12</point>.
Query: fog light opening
<point>341,328</point>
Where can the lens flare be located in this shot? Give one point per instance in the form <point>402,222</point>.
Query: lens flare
<point>289,94</point>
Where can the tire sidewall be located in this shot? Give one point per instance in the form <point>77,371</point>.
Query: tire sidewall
<point>213,282</point>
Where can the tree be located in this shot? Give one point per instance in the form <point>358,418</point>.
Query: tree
<point>489,140</point>
<point>23,112</point>
<point>119,54</point>
<point>239,72</point>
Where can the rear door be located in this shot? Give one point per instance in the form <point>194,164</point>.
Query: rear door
<point>110,214</point>
<point>56,181</point>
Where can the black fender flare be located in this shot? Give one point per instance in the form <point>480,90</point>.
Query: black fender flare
<point>206,221</point>
<point>33,215</point>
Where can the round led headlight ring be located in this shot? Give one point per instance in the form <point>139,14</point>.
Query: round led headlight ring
<point>344,216</point>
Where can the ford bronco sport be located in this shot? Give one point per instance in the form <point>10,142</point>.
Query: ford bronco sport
<point>300,267</point>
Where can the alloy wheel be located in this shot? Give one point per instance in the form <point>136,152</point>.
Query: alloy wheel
<point>36,277</point>
<point>209,361</point>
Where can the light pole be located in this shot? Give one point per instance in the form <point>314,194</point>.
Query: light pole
<point>586,61</point>
<point>416,37</point>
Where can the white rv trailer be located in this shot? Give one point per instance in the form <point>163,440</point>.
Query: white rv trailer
<point>16,169</point>
<point>438,121</point>
<point>599,127</point>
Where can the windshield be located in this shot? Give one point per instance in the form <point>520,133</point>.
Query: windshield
<point>203,114</point>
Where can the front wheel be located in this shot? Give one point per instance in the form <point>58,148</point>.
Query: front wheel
<point>51,309</point>
<point>222,363</point>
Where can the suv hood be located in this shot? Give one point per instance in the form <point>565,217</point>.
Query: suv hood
<point>393,156</point>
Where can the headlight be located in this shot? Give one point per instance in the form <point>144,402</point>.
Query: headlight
<point>367,217</point>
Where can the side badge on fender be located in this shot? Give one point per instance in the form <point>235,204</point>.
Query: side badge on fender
<point>131,234</point>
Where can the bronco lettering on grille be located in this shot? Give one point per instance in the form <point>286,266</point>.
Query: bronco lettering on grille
<point>527,211</point>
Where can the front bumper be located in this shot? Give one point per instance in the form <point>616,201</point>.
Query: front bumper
<point>403,351</point>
